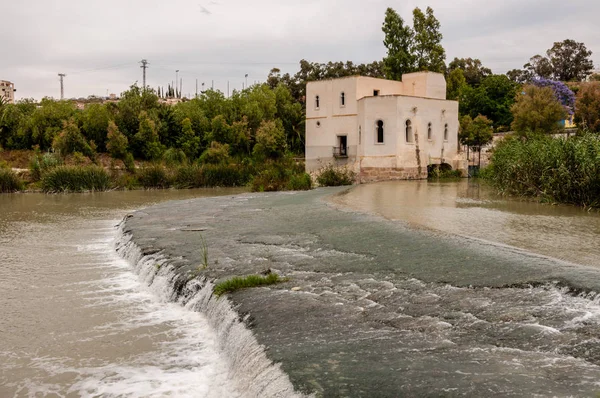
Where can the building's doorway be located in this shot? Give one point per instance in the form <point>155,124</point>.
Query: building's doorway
<point>341,150</point>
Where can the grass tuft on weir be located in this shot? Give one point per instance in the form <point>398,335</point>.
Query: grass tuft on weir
<point>236,283</point>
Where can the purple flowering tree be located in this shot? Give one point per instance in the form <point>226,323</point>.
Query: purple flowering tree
<point>563,93</point>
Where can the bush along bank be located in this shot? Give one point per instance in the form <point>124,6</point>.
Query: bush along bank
<point>559,170</point>
<point>10,181</point>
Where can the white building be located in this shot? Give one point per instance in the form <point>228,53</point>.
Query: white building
<point>383,129</point>
<point>7,91</point>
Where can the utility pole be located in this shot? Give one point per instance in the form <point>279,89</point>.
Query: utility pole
<point>144,67</point>
<point>246,80</point>
<point>227,88</point>
<point>176,81</point>
<point>62,85</point>
<point>180,87</point>
<point>212,86</point>
<point>196,88</point>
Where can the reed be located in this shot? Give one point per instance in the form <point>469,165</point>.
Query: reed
<point>75,179</point>
<point>9,181</point>
<point>236,283</point>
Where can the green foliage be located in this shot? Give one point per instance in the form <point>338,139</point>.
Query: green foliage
<point>476,132</point>
<point>429,53</point>
<point>209,175</point>
<point>270,140</point>
<point>442,171</point>
<point>493,98</point>
<point>96,118</point>
<point>456,84</point>
<point>153,176</point>
<point>331,176</point>
<point>565,170</point>
<point>189,142</point>
<point>399,41</point>
<point>216,154</point>
<point>75,179</point>
<point>473,70</point>
<point>129,163</point>
<point>9,181</point>
<point>116,143</point>
<point>587,107</point>
<point>71,140</point>
<point>237,283</point>
<point>38,164</point>
<point>174,157</point>
<point>537,111</point>
<point>299,182</point>
<point>147,143</point>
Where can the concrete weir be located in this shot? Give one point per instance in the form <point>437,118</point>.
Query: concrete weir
<point>372,308</point>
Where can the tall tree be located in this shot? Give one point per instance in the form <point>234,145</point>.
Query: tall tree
<point>537,111</point>
<point>455,84</point>
<point>539,67</point>
<point>570,61</point>
<point>588,107</point>
<point>473,70</point>
<point>399,39</point>
<point>428,50</point>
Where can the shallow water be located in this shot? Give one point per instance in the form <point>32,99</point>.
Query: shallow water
<point>75,321</point>
<point>470,209</point>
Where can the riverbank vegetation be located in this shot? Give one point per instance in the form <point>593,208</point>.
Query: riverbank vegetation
<point>558,170</point>
<point>9,181</point>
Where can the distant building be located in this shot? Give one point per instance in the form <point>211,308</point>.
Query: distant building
<point>382,129</point>
<point>7,91</point>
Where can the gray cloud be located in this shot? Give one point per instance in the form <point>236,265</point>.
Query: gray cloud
<point>98,43</point>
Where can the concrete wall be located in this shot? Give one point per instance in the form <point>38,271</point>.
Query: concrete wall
<point>425,84</point>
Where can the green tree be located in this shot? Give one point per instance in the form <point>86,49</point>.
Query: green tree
<point>570,60</point>
<point>476,133</point>
<point>493,98</point>
<point>189,142</point>
<point>116,143</point>
<point>587,107</point>
<point>539,67</point>
<point>427,48</point>
<point>537,111</point>
<point>473,70</point>
<point>399,40</point>
<point>270,140</point>
<point>147,143</point>
<point>70,140</point>
<point>455,84</point>
<point>95,124</point>
<point>217,153</point>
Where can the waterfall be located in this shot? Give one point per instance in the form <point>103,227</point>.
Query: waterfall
<point>252,372</point>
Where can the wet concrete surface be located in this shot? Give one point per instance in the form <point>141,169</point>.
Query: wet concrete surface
<point>375,308</point>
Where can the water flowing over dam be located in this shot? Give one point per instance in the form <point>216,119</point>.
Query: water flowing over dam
<point>403,306</point>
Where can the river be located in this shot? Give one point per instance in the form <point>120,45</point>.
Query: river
<point>75,321</point>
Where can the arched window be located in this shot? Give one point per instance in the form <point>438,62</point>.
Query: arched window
<point>359,135</point>
<point>317,102</point>
<point>429,134</point>
<point>343,99</point>
<point>409,134</point>
<point>380,131</point>
<point>446,132</point>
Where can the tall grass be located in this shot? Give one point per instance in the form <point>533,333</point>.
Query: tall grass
<point>9,181</point>
<point>75,179</point>
<point>154,176</point>
<point>564,170</point>
<point>211,175</point>
<point>236,283</point>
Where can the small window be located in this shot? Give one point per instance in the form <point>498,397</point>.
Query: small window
<point>318,124</point>
<point>408,131</point>
<point>429,131</point>
<point>446,132</point>
<point>380,131</point>
<point>343,99</point>
<point>375,93</point>
<point>317,102</point>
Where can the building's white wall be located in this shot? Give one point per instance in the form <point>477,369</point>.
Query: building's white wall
<point>424,84</point>
<point>366,86</point>
<point>7,91</point>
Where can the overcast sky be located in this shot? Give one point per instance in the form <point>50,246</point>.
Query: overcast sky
<point>99,43</point>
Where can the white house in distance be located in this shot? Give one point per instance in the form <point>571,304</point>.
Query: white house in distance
<point>383,129</point>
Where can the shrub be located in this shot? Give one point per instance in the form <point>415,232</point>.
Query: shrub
<point>217,154</point>
<point>299,182</point>
<point>174,157</point>
<point>39,164</point>
<point>236,283</point>
<point>75,179</point>
<point>71,140</point>
<point>270,140</point>
<point>331,176</point>
<point>209,175</point>
<point>9,181</point>
<point>116,143</point>
<point>129,163</point>
<point>154,176</point>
